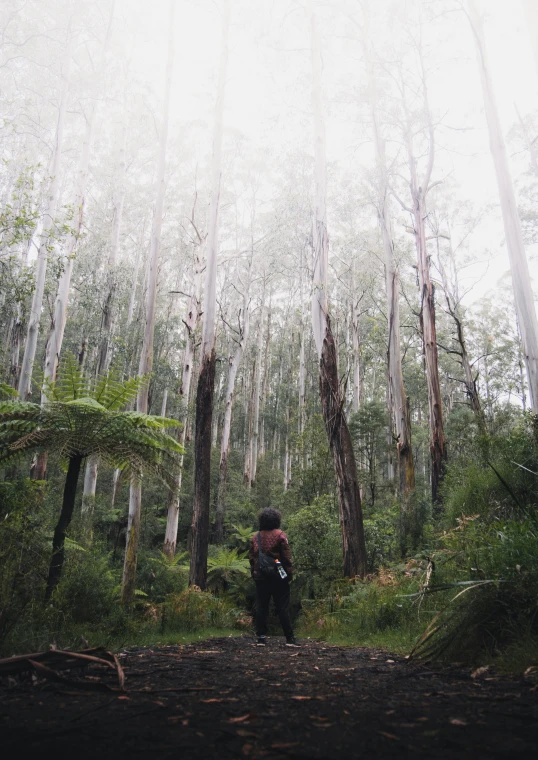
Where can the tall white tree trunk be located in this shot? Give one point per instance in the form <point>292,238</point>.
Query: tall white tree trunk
<point>345,468</point>
<point>191,322</point>
<point>199,538</point>
<point>54,343</point>
<point>398,402</point>
<point>25,380</point>
<point>257,393</point>
<point>146,356</point>
<point>521,279</point>
<point>103,362</point>
<point>302,384</point>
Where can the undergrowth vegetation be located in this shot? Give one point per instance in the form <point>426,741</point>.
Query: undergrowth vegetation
<point>466,590</point>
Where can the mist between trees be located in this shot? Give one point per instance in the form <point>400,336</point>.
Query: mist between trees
<point>300,237</point>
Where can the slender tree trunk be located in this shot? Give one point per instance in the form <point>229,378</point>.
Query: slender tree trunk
<point>247,470</point>
<point>302,389</point>
<point>204,397</point>
<point>345,469</point>
<point>16,339</point>
<point>399,404</point>
<point>419,188</point>
<point>58,541</point>
<point>521,279</point>
<point>233,366</point>
<point>25,381</point>
<point>146,357</point>
<point>355,346</point>
<point>254,441</point>
<point>54,343</point>
<point>193,317</point>
<point>453,308</point>
<point>103,362</point>
<point>55,340</point>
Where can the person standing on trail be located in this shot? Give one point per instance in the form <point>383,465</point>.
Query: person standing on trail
<point>271,568</point>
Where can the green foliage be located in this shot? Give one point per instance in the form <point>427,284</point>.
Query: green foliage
<point>314,535</point>
<point>74,422</point>
<point>242,536</point>
<point>498,606</point>
<point>503,485</point>
<point>22,551</point>
<point>381,537</point>
<point>368,428</point>
<point>194,610</point>
<point>374,611</point>
<point>225,566</point>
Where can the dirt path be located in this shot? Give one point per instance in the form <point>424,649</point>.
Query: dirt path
<point>225,698</point>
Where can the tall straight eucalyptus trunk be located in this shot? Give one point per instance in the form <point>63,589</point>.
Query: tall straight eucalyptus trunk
<point>54,343</point>
<point>519,266</point>
<point>419,188</point>
<point>345,468</point>
<point>254,439</point>
<point>191,322</point>
<point>146,356</point>
<point>103,362</point>
<point>398,401</point>
<point>199,538</point>
<point>25,380</point>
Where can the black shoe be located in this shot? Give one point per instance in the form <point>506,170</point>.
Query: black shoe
<point>262,641</point>
<point>292,642</point>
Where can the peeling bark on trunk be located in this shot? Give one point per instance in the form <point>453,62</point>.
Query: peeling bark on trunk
<point>419,188</point>
<point>204,398</point>
<point>58,541</point>
<point>344,461</point>
<point>345,468</point>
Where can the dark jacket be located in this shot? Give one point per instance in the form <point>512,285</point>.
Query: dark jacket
<point>275,544</point>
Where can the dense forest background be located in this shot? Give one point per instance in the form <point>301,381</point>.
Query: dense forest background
<point>300,237</point>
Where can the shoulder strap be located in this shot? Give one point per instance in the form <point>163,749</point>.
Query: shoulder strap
<point>259,542</point>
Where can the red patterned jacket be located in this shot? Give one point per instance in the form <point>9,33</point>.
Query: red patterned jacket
<point>275,544</point>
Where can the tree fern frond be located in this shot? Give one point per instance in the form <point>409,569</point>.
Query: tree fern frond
<point>114,393</point>
<point>70,383</point>
<point>6,391</point>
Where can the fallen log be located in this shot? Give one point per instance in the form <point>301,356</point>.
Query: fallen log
<point>47,665</point>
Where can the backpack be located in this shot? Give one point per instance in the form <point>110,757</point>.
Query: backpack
<point>266,564</point>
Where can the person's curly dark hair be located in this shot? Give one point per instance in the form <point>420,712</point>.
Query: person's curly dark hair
<point>269,519</point>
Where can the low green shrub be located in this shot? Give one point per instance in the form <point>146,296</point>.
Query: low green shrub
<point>194,609</point>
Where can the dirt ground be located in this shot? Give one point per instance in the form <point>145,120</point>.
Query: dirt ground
<point>226,698</point>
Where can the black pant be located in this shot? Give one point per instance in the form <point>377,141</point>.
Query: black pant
<point>279,589</point>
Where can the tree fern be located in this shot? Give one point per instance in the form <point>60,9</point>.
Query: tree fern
<point>75,424</point>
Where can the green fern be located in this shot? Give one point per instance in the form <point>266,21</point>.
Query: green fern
<point>74,424</point>
<point>6,391</point>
